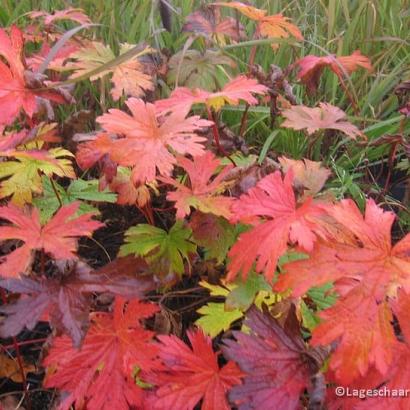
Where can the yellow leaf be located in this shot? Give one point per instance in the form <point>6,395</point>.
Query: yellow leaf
<point>216,319</point>
<point>25,170</point>
<point>216,290</point>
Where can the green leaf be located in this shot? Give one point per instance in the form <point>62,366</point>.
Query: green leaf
<point>216,319</point>
<point>215,234</point>
<point>165,251</point>
<point>78,190</point>
<point>323,297</point>
<point>309,318</point>
<point>243,295</point>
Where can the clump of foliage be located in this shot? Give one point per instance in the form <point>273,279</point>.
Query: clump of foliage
<point>243,275</point>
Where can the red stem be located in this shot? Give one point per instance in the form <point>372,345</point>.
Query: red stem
<point>215,132</point>
<point>25,343</point>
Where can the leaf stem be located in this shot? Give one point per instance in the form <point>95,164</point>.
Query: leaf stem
<point>215,131</point>
<point>56,192</point>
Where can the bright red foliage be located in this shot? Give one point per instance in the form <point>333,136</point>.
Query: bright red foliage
<point>116,352</point>
<point>57,237</point>
<point>277,219</point>
<point>15,92</point>
<point>191,375</point>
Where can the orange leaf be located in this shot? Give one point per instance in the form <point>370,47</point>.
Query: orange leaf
<point>144,139</point>
<point>203,193</point>
<point>275,26</point>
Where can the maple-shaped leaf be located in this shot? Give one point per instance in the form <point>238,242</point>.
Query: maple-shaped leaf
<point>214,234</point>
<point>240,88</point>
<point>216,319</point>
<point>196,69</point>
<point>78,190</point>
<point>104,374</point>
<point>365,269</point>
<point>310,176</point>
<point>311,67</point>
<point>277,219</point>
<point>24,170</point>
<point>199,366</point>
<point>207,22</point>
<point>58,237</point>
<point>66,298</point>
<point>73,14</point>
<point>17,91</point>
<point>13,95</point>
<point>129,78</point>
<point>145,139</point>
<point>396,381</point>
<point>165,251</point>
<point>278,366</point>
<point>203,192</point>
<point>275,26</point>
<point>381,391</point>
<point>326,116</point>
<point>239,296</point>
<point>128,192</point>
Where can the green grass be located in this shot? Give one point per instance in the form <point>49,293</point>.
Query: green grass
<point>379,28</point>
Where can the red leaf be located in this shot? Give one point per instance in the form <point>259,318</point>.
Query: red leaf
<point>277,364</point>
<point>276,218</point>
<point>326,116</point>
<point>101,376</point>
<point>203,192</point>
<point>13,94</point>
<point>18,85</point>
<point>192,375</point>
<point>240,88</point>
<point>311,67</point>
<point>58,237</point>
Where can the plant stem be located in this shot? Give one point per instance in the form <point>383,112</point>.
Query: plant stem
<point>25,343</point>
<point>56,192</point>
<point>215,131</point>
